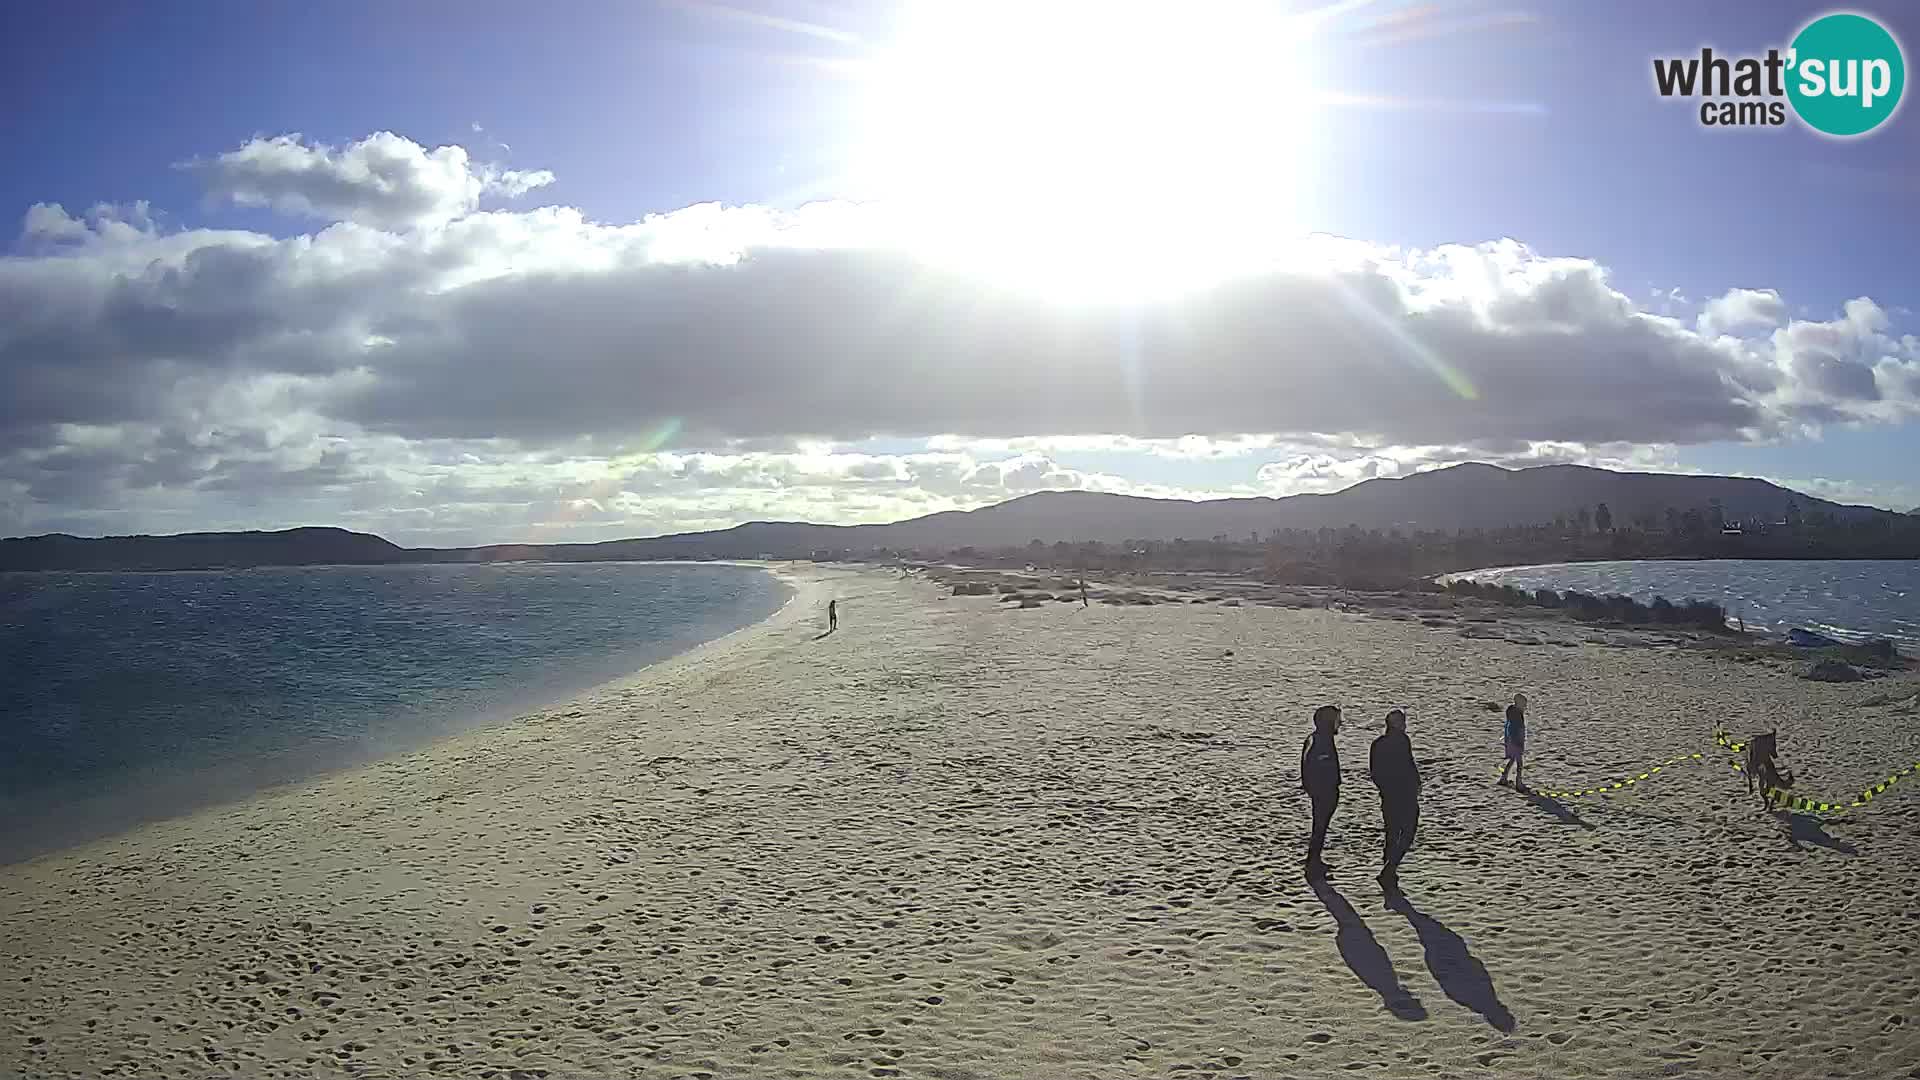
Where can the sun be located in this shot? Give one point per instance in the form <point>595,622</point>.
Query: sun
<point>1091,149</point>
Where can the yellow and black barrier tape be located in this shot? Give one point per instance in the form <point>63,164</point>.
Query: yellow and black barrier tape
<point>1782,796</point>
<point>1791,801</point>
<point>1622,784</point>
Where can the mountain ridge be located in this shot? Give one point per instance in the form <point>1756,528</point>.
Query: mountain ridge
<point>1465,496</point>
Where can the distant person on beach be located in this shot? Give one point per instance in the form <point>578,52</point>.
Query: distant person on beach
<point>833,615</point>
<point>1516,741</point>
<point>1083,592</point>
<point>1320,779</point>
<point>1397,776</point>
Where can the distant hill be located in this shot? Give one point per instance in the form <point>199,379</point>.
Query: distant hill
<point>1459,497</point>
<point>197,551</point>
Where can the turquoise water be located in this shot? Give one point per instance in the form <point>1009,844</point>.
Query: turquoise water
<point>1847,599</point>
<point>129,696</point>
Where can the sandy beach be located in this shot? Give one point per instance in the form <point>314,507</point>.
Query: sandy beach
<point>959,839</point>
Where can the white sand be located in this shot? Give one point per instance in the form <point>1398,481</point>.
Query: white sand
<point>960,840</point>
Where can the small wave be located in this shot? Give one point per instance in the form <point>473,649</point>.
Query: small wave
<point>1852,601</point>
<point>1853,635</point>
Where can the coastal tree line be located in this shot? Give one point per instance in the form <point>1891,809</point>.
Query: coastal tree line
<point>1392,558</point>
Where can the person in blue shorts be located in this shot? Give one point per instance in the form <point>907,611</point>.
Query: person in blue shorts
<point>1516,741</point>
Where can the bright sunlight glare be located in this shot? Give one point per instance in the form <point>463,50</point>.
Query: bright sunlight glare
<point>1091,149</point>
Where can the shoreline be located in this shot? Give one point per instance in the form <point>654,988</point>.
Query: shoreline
<point>377,565</point>
<point>965,840</point>
<point>110,814</point>
<point>1737,606</point>
<point>1472,616</point>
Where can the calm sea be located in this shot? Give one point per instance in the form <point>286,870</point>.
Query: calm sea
<point>125,697</point>
<point>1850,600</point>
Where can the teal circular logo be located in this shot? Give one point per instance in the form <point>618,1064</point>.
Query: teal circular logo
<point>1845,74</point>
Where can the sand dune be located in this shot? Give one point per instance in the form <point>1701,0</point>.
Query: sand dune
<point>961,839</point>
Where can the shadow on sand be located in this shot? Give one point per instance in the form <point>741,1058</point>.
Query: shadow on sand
<point>1460,974</point>
<point>1561,811</point>
<point>823,633</point>
<point>1365,957</point>
<point>1804,829</point>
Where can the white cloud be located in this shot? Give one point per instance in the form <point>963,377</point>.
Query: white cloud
<point>1184,447</point>
<point>1330,465</point>
<point>1323,472</point>
<point>384,180</point>
<point>1742,310</point>
<point>50,221</point>
<point>1896,496</point>
<point>422,362</point>
<point>513,184</point>
<point>137,478</point>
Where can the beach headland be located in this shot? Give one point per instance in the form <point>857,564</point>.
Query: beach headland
<point>967,838</point>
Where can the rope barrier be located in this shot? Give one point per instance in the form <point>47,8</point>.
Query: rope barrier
<point>1781,795</point>
<point>1628,782</point>
<point>1808,803</point>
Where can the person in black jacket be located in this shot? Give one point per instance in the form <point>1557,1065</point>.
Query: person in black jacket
<point>1395,773</point>
<point>1320,779</point>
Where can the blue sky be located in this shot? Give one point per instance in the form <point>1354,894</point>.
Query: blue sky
<point>1478,122</point>
<point>646,107</point>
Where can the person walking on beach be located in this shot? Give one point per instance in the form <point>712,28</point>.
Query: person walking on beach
<point>1320,779</point>
<point>833,616</point>
<point>1083,592</point>
<point>1516,741</point>
<point>1395,773</point>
